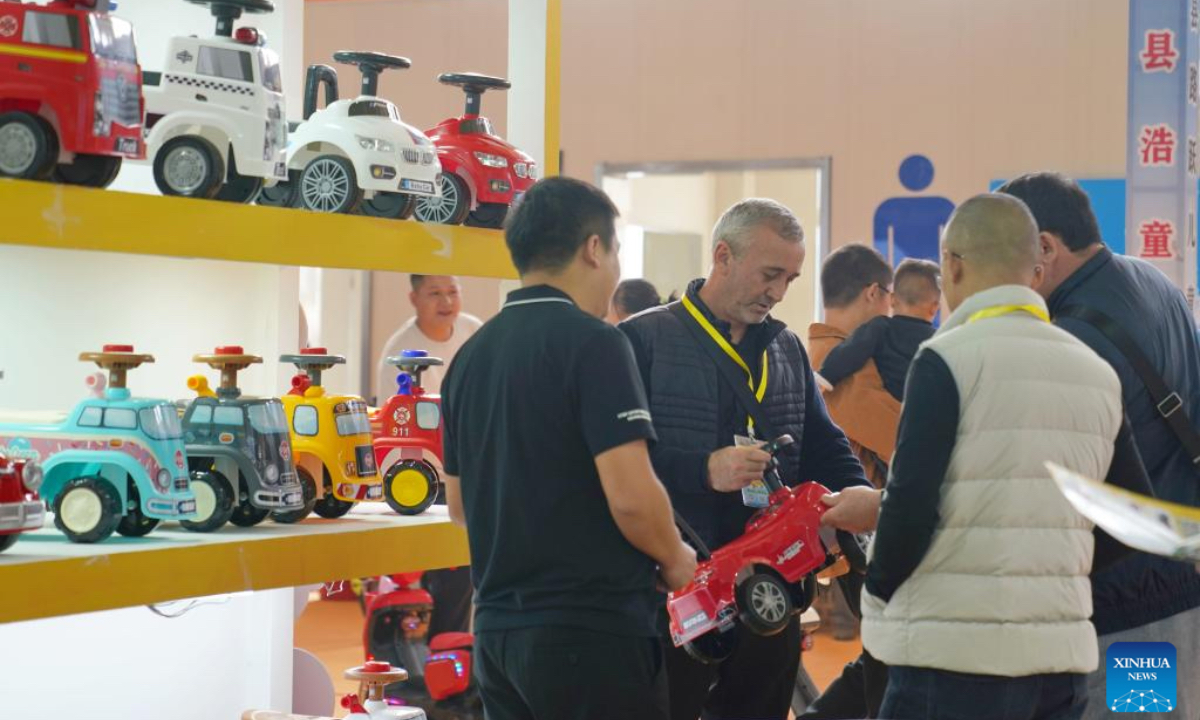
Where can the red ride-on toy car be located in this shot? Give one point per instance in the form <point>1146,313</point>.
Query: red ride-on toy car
<point>440,679</point>
<point>765,576</point>
<point>70,92</point>
<point>482,175</point>
<point>20,507</point>
<point>407,435</point>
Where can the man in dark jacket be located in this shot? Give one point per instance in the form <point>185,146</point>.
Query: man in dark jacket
<point>758,251</point>
<point>1144,598</point>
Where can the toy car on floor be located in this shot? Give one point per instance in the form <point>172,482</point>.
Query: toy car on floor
<point>356,155</point>
<point>70,92</point>
<point>215,115</point>
<point>440,680</point>
<point>408,437</point>
<point>114,463</point>
<point>238,449</point>
<point>762,578</point>
<point>368,704</point>
<point>331,440</point>
<point>20,507</point>
<point>482,175</point>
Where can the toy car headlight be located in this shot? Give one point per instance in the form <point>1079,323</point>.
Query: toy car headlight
<point>533,175</point>
<point>163,480</point>
<point>375,144</point>
<point>272,473</point>
<point>491,160</point>
<point>32,476</point>
<point>100,124</point>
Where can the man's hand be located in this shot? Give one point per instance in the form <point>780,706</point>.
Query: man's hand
<point>681,571</point>
<point>855,509</point>
<point>732,468</point>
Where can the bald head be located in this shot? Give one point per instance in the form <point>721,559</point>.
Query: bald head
<point>990,240</point>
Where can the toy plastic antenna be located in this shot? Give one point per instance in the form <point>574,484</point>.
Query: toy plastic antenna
<point>371,64</point>
<point>229,359</point>
<point>226,11</point>
<point>474,85</point>
<point>313,361</point>
<point>414,363</point>
<point>375,675</point>
<point>117,360</point>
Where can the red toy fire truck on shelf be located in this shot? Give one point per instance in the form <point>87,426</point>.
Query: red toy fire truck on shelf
<point>765,576</point>
<point>70,92</point>
<point>20,507</point>
<point>407,434</point>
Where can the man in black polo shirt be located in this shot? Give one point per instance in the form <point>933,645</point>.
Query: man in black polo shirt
<point>758,250</point>
<point>546,426</point>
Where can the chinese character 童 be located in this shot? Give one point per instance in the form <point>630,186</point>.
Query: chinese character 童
<point>1193,84</point>
<point>1191,158</point>
<point>1156,239</point>
<point>1159,53</point>
<point>1157,145</point>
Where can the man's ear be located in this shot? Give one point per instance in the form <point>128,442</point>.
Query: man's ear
<point>722,256</point>
<point>591,250</point>
<point>412,298</point>
<point>1051,247</point>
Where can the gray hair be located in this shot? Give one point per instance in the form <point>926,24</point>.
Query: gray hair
<point>736,222</point>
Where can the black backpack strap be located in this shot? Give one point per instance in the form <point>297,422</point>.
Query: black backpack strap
<point>733,375</point>
<point>1168,402</point>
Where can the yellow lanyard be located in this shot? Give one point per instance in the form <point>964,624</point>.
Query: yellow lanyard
<point>998,310</point>
<point>724,345</point>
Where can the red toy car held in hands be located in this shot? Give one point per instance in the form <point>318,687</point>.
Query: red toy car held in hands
<point>70,92</point>
<point>762,578</point>
<point>482,175</point>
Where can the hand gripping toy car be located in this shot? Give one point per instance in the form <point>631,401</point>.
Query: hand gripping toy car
<point>331,439</point>
<point>408,437</point>
<point>20,507</point>
<point>238,449</point>
<point>215,115</point>
<point>356,155</point>
<point>115,463</point>
<point>481,173</point>
<point>70,92</point>
<point>762,578</point>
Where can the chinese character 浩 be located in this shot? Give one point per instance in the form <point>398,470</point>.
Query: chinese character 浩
<point>1157,144</point>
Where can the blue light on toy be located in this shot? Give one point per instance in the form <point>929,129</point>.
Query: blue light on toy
<point>404,381</point>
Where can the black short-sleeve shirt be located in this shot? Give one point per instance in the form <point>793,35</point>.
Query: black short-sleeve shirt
<point>529,401</point>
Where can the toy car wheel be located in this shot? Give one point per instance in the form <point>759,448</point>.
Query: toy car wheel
<point>87,510</point>
<point>764,604</point>
<point>7,541</point>
<point>285,193</point>
<point>449,209</point>
<point>189,166</point>
<point>135,523</point>
<point>329,185</point>
<point>97,171</point>
<point>28,146</point>
<point>804,593</point>
<point>330,506</point>
<point>394,206</point>
<point>712,647</point>
<point>410,487</point>
<point>488,215</point>
<point>214,501</point>
<point>238,188</point>
<point>854,547</point>
<point>246,515</point>
<point>309,489</point>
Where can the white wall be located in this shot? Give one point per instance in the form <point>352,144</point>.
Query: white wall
<point>214,662</point>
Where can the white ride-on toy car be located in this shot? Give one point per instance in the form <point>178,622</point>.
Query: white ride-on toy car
<point>356,155</point>
<point>215,120</point>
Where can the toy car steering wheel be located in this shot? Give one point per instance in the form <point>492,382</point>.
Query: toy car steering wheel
<point>226,11</point>
<point>370,64</point>
<point>474,82</point>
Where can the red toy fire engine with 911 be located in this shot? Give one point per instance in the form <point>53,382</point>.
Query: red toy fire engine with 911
<point>407,434</point>
<point>764,577</point>
<point>70,92</point>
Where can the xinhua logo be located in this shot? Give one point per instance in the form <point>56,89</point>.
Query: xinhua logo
<point>1140,677</point>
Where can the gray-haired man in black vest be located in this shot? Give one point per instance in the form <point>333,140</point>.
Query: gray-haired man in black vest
<point>758,250</point>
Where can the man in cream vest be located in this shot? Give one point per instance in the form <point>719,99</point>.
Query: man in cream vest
<point>977,595</point>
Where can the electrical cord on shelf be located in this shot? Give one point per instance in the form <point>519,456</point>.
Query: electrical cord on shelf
<point>161,610</point>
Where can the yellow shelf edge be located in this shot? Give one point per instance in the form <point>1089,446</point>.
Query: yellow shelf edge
<point>106,581</point>
<point>74,218</point>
